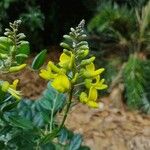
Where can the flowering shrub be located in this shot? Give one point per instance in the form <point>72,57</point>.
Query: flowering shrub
<point>32,124</point>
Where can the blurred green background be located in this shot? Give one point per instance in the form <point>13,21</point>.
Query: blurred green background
<point>45,21</point>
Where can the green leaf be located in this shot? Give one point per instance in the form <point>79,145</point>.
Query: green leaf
<point>75,142</point>
<point>21,122</point>
<point>84,148</point>
<point>2,95</point>
<point>49,137</point>
<point>24,48</point>
<point>134,82</point>
<point>47,100</point>
<point>23,51</point>
<point>48,146</point>
<point>32,111</point>
<point>10,106</point>
<point>63,135</point>
<point>39,60</point>
<point>5,44</point>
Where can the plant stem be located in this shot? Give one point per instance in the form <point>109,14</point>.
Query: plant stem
<point>67,109</point>
<point>82,83</point>
<point>52,113</point>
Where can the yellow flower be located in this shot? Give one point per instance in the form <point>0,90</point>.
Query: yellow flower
<point>90,99</point>
<point>99,84</point>
<point>61,83</point>
<point>47,73</point>
<point>51,71</point>
<point>66,61</point>
<point>90,71</point>
<point>11,88</point>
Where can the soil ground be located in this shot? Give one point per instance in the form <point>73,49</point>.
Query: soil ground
<point>107,129</point>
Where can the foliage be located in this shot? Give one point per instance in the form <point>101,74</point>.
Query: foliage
<point>75,68</point>
<point>130,36</point>
<point>146,98</point>
<point>33,18</point>
<point>28,12</point>
<point>114,23</point>
<point>134,82</point>
<point>137,3</point>
<point>39,60</point>
<point>112,20</point>
<point>26,124</point>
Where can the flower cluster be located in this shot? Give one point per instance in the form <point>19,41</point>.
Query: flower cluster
<point>74,68</point>
<point>11,88</point>
<point>14,50</point>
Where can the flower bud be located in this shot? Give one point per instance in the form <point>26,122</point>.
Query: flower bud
<point>67,37</point>
<point>75,78</point>
<point>64,45</point>
<point>17,68</point>
<point>87,61</point>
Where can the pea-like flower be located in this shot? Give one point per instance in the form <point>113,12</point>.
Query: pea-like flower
<point>47,73</point>
<point>11,88</point>
<point>59,80</point>
<point>90,100</point>
<point>90,71</point>
<point>66,61</point>
<point>61,83</point>
<point>98,84</point>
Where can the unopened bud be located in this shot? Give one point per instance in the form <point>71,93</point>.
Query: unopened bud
<point>87,61</point>
<point>17,68</point>
<point>64,45</point>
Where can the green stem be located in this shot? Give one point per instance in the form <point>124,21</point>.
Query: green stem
<point>52,113</point>
<point>82,83</point>
<point>67,109</point>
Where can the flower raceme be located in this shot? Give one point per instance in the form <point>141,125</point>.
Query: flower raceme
<point>11,88</point>
<point>74,69</point>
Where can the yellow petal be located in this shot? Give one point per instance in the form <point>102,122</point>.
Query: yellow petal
<point>47,75</point>
<point>88,83</point>
<point>91,74</point>
<point>90,67</point>
<point>53,67</point>
<point>92,104</point>
<point>75,78</point>
<point>83,97</point>
<point>5,86</point>
<point>64,58</point>
<point>61,83</point>
<point>66,61</point>
<point>11,89</point>
<point>14,93</point>
<point>100,85</point>
<point>92,94</point>
<point>14,85</point>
